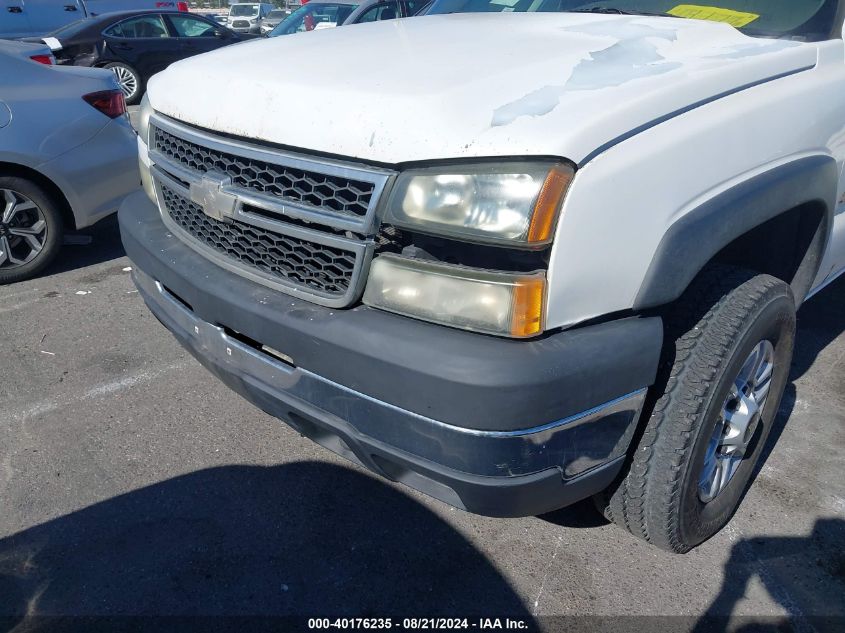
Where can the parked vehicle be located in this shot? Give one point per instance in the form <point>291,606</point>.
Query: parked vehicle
<point>100,7</point>
<point>19,18</point>
<point>273,19</point>
<point>35,52</point>
<point>137,44</point>
<point>67,157</point>
<point>28,18</point>
<point>531,259</point>
<point>247,17</point>
<point>318,15</point>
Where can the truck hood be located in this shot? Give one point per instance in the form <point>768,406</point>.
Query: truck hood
<point>471,85</point>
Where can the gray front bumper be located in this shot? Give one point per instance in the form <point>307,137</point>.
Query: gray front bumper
<point>229,324</point>
<point>435,458</point>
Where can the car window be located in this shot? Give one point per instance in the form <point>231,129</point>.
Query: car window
<point>382,11</point>
<point>141,26</point>
<point>314,16</point>
<point>187,26</point>
<point>413,6</point>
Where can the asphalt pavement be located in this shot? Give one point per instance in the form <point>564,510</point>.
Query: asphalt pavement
<point>133,482</point>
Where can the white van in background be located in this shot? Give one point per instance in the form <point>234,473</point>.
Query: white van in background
<point>25,18</point>
<point>245,17</point>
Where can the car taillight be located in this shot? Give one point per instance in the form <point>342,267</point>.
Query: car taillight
<point>49,60</point>
<point>181,6</point>
<point>109,102</point>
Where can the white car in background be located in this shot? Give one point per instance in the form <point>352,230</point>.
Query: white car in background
<point>67,157</point>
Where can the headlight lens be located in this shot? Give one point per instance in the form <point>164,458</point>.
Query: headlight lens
<point>515,203</point>
<point>472,299</point>
<point>144,165</point>
<point>145,111</point>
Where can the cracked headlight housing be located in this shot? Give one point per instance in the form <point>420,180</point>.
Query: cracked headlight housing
<point>512,204</point>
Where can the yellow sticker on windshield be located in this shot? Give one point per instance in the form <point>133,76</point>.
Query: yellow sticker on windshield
<point>716,14</point>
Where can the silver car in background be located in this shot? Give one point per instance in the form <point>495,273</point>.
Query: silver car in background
<point>273,19</point>
<point>326,14</point>
<point>37,52</point>
<point>68,155</point>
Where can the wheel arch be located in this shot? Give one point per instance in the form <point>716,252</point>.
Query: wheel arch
<point>796,198</point>
<point>22,171</point>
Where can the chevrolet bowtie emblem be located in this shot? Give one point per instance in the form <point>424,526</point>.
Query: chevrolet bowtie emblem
<point>209,195</point>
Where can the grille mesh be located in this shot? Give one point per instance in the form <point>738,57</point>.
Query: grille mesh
<point>313,266</point>
<point>332,193</point>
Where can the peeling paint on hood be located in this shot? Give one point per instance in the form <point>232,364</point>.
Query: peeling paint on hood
<point>468,85</point>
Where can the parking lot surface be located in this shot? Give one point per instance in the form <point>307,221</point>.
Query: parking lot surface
<point>132,482</point>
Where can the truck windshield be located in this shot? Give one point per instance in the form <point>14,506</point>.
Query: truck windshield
<point>243,10</point>
<point>797,19</point>
<point>312,16</point>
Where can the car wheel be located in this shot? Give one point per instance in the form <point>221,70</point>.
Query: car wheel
<point>729,343</point>
<point>129,81</point>
<point>30,229</point>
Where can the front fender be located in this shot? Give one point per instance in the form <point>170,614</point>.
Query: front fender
<point>701,233</point>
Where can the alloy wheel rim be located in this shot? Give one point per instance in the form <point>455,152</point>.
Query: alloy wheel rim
<point>23,229</point>
<point>738,420</point>
<point>126,80</point>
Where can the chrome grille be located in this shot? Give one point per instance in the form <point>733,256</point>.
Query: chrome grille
<point>323,191</point>
<point>303,225</point>
<point>317,267</point>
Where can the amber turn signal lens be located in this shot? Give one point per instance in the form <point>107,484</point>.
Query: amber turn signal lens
<point>527,307</point>
<point>548,203</point>
<point>505,304</point>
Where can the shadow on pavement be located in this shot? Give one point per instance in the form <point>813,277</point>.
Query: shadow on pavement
<point>306,538</point>
<point>579,515</point>
<point>820,321</point>
<point>804,575</point>
<point>104,246</point>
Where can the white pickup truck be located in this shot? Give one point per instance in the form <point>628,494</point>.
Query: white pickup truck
<point>511,260</point>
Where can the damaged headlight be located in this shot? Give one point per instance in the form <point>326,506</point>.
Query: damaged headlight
<point>507,304</point>
<point>514,203</point>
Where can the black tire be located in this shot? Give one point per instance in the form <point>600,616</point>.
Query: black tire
<point>50,210</point>
<point>710,332</point>
<point>134,97</point>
